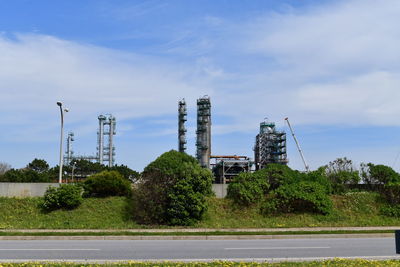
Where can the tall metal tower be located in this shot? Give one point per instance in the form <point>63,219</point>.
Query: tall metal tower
<point>106,150</point>
<point>69,152</point>
<point>203,143</point>
<point>270,146</point>
<point>182,113</point>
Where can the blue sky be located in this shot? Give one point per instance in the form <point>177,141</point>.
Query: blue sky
<point>332,67</point>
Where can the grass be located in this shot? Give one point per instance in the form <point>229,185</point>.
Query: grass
<point>353,209</point>
<point>332,263</point>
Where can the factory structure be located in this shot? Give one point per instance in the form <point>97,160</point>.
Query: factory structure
<point>270,145</point>
<point>105,143</point>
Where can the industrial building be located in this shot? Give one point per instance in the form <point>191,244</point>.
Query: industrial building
<point>270,146</point>
<point>203,142</point>
<point>182,118</point>
<point>105,143</point>
<point>225,168</point>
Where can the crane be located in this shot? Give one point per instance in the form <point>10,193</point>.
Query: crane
<point>298,146</point>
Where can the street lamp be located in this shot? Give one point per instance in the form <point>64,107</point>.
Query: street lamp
<point>61,140</point>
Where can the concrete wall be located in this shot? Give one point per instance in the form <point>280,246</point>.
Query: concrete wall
<point>220,190</point>
<point>24,189</point>
<point>38,189</point>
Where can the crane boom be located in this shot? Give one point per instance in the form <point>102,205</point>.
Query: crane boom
<point>298,146</point>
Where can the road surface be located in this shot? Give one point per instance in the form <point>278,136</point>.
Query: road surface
<point>205,250</point>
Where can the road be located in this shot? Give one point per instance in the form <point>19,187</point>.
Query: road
<point>186,250</point>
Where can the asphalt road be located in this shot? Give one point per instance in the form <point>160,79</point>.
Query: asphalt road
<point>186,250</point>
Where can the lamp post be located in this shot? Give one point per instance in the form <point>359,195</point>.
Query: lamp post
<point>61,140</point>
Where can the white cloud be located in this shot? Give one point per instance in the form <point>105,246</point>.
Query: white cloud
<point>37,70</point>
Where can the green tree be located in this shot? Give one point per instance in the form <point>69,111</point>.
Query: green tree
<point>378,174</point>
<point>125,171</point>
<point>38,165</point>
<point>340,173</point>
<point>172,190</point>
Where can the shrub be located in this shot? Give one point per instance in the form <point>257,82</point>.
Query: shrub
<point>67,196</point>
<point>319,176</point>
<point>341,172</point>
<point>278,174</point>
<point>247,188</point>
<point>107,183</point>
<point>172,190</point>
<point>303,196</point>
<point>391,210</point>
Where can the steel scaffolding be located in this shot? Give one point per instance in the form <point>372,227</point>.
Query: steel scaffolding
<point>225,168</point>
<point>270,146</point>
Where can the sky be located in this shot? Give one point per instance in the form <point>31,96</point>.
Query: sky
<point>332,67</point>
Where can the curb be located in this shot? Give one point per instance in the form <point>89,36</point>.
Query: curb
<point>202,237</point>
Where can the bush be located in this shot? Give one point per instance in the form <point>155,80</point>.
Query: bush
<point>248,188</point>
<point>67,196</point>
<point>341,173</point>
<point>303,196</point>
<point>107,183</point>
<point>391,210</point>
<point>278,174</point>
<point>319,176</point>
<point>172,190</point>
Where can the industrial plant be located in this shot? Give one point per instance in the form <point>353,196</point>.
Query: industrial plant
<point>105,143</point>
<point>269,147</point>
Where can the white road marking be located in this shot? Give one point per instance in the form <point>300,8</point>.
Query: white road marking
<point>277,248</point>
<point>49,249</point>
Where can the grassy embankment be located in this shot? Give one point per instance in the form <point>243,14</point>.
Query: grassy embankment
<point>332,263</point>
<point>355,209</point>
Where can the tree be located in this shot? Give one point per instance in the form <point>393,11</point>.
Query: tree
<point>172,190</point>
<point>341,172</point>
<point>378,174</point>
<point>4,167</point>
<point>125,171</point>
<point>38,165</point>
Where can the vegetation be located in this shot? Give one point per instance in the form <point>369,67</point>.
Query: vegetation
<point>304,196</point>
<point>350,209</point>
<point>341,173</point>
<point>172,191</point>
<point>105,184</point>
<point>248,188</point>
<point>66,196</point>
<point>334,263</point>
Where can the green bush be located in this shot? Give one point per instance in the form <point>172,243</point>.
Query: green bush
<point>248,188</point>
<point>66,196</point>
<point>278,174</point>
<point>391,210</point>
<point>107,183</point>
<point>319,176</point>
<point>172,190</point>
<point>341,173</point>
<point>303,196</point>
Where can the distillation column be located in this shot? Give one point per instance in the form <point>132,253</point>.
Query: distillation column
<point>69,153</point>
<point>203,143</point>
<point>106,152</point>
<point>182,113</point>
